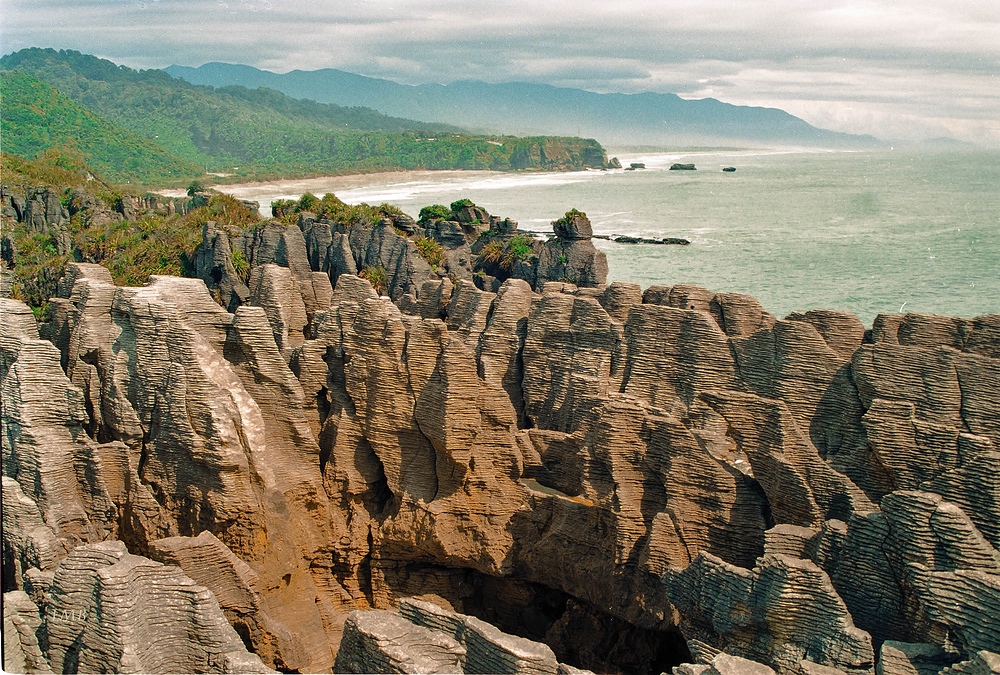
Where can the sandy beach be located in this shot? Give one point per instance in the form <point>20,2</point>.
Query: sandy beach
<point>266,191</point>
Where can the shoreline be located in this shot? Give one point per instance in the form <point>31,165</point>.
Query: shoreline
<point>351,181</point>
<point>264,191</point>
<point>345,181</point>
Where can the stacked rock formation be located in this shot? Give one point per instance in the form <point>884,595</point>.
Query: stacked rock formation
<point>318,250</point>
<point>638,479</point>
<point>571,256</point>
<point>424,638</point>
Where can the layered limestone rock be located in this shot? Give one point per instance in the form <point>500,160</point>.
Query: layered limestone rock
<point>28,542</point>
<point>237,587</point>
<point>487,650</point>
<point>725,664</point>
<point>782,612</point>
<point>191,448</point>
<point>22,652</point>
<point>424,638</point>
<point>378,641</point>
<point>639,479</point>
<point>110,611</point>
<point>45,447</point>
<point>571,257</point>
<point>906,658</point>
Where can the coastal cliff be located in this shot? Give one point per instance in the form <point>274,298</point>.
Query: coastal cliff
<point>638,479</point>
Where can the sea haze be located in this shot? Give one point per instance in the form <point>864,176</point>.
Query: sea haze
<point>867,232</point>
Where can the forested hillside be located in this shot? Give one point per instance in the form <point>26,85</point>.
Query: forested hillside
<point>36,118</point>
<point>235,130</point>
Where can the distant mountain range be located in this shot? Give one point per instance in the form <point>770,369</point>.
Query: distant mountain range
<point>525,108</point>
<point>146,126</point>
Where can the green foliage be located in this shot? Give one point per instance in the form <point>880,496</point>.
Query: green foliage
<point>227,211</point>
<point>492,253</point>
<point>460,204</point>
<point>148,120</point>
<point>307,202</point>
<point>194,187</point>
<point>519,247</point>
<point>434,212</point>
<point>505,255</point>
<point>61,167</point>
<point>378,277</point>
<point>37,118</point>
<point>430,250</point>
<point>283,207</point>
<point>131,249</point>
<point>241,265</point>
<point>570,216</point>
<point>390,210</point>
<point>37,267</point>
<point>332,208</point>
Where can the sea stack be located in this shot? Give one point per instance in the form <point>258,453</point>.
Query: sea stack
<point>571,256</point>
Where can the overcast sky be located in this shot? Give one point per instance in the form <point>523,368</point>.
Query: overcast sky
<point>897,69</point>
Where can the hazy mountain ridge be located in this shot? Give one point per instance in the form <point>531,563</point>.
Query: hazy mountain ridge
<point>521,107</point>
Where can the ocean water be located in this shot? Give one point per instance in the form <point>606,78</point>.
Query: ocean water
<point>865,232</point>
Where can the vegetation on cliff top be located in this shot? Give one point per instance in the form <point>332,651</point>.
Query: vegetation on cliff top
<point>332,208</point>
<point>505,254</point>
<point>173,129</point>
<point>133,249</point>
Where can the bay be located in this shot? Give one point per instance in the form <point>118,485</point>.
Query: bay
<point>864,232</point>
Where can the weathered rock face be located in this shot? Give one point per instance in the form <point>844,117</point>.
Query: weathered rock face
<point>571,256</point>
<point>638,479</point>
<point>98,618</point>
<point>21,623</point>
<point>387,253</point>
<point>424,638</point>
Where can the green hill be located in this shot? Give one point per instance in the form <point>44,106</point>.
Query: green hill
<point>254,133</point>
<point>37,118</point>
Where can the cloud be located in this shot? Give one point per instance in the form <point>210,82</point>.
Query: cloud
<point>875,66</point>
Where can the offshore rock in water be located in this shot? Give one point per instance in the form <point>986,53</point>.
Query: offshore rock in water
<point>628,239</point>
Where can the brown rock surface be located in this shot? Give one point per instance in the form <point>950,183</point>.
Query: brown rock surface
<point>615,473</point>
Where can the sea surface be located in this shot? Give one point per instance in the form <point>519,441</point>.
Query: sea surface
<point>865,232</point>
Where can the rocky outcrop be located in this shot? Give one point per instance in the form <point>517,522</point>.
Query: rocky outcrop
<point>424,638</point>
<point>378,641</point>
<point>782,612</point>
<point>638,479</point>
<point>906,658</point>
<point>110,611</point>
<point>724,664</point>
<point>22,652</point>
<point>571,257</point>
<point>399,255</point>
